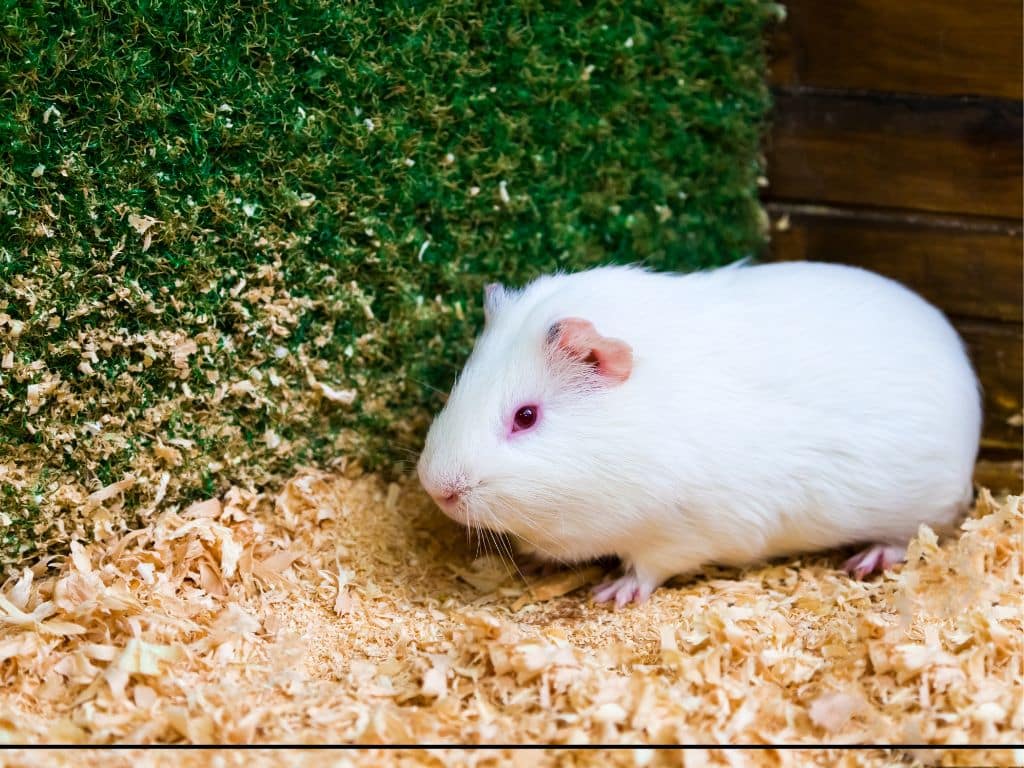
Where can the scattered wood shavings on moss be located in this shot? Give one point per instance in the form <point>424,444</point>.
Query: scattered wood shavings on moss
<point>347,609</point>
<point>214,226</point>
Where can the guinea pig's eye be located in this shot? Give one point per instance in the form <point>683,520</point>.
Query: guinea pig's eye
<point>525,418</point>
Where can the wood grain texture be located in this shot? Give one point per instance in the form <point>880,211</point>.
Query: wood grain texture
<point>997,350</point>
<point>947,156</point>
<point>942,47</point>
<point>896,146</point>
<point>1000,476</point>
<point>966,267</point>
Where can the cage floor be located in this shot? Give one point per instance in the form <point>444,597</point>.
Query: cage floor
<point>345,609</point>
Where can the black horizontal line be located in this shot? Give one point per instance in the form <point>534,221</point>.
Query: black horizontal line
<point>953,221</point>
<point>1013,106</point>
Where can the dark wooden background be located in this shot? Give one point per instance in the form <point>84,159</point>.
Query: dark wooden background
<point>897,145</point>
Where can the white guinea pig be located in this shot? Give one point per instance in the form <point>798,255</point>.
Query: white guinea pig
<point>725,416</point>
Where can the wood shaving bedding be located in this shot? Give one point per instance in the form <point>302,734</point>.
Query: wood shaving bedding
<point>348,610</point>
<point>434,757</point>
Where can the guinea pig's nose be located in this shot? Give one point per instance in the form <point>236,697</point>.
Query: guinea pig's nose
<point>451,497</point>
<point>446,494</point>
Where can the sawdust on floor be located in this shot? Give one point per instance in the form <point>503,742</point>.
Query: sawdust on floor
<point>431,757</point>
<point>348,610</point>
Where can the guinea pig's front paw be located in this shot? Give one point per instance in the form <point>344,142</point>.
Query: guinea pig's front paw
<point>628,588</point>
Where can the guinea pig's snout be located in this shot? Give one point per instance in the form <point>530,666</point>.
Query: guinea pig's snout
<point>445,485</point>
<point>450,496</point>
<point>447,493</point>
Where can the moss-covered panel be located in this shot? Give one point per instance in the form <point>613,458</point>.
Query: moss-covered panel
<point>239,236</point>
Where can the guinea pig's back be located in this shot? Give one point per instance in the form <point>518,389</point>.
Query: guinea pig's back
<point>824,391</point>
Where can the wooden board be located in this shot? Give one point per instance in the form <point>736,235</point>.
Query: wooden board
<point>966,267</point>
<point>997,350</point>
<point>896,146</point>
<point>942,47</point>
<point>1000,476</point>
<point>942,155</point>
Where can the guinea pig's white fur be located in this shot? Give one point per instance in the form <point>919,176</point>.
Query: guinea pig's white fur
<point>769,410</point>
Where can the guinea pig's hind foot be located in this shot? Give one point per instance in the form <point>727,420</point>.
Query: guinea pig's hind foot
<point>628,588</point>
<point>875,559</point>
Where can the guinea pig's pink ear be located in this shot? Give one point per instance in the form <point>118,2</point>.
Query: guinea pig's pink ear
<point>494,296</point>
<point>611,359</point>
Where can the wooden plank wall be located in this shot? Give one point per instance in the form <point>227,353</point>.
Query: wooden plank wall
<point>897,145</point>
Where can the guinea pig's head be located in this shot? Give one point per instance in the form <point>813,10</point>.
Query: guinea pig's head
<point>524,439</point>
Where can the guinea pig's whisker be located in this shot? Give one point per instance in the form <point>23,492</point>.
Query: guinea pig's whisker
<point>492,541</point>
<point>527,519</point>
<point>428,385</point>
<point>489,528</point>
<point>499,551</point>
<point>505,548</point>
<point>531,523</point>
<point>499,543</point>
<point>535,525</point>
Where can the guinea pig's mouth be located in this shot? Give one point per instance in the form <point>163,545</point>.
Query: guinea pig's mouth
<point>461,499</point>
<point>471,511</point>
<point>459,510</point>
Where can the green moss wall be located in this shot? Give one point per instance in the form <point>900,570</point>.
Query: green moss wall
<point>238,236</point>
